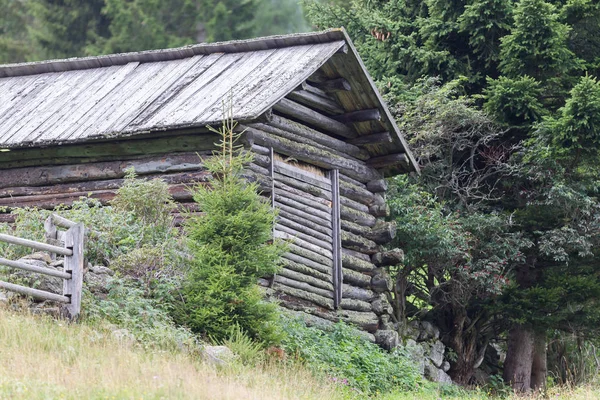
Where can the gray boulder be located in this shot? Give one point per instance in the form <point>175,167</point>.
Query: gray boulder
<point>387,339</point>
<point>217,355</point>
<point>417,354</point>
<point>436,354</point>
<point>39,281</point>
<point>435,374</point>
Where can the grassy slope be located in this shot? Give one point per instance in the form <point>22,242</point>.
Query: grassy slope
<point>41,358</point>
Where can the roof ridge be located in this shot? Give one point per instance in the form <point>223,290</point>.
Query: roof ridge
<point>234,46</point>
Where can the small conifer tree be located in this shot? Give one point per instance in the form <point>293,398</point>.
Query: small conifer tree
<point>233,247</point>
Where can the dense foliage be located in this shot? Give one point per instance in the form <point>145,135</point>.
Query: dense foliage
<point>507,139</point>
<point>349,359</point>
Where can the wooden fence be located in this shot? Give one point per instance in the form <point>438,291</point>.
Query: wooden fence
<point>71,247</point>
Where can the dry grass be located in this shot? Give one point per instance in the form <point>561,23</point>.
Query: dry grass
<point>45,359</point>
<point>299,164</point>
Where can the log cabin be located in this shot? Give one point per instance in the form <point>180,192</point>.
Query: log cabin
<point>322,137</point>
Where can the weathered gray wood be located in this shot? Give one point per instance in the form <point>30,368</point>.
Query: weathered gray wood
<point>308,208</point>
<point>32,268</point>
<point>99,171</point>
<point>377,186</point>
<point>390,160</point>
<point>356,278</point>
<point>356,264</point>
<point>302,243</point>
<point>326,269</point>
<point>72,288</point>
<point>359,243</point>
<point>313,118</point>
<point>62,222</point>
<point>353,204</point>
<point>336,238</point>
<point>388,258</point>
<point>327,105</point>
<point>35,245</point>
<point>356,254</point>
<point>318,157</point>
<point>303,197</point>
<point>311,255</point>
<point>383,232</point>
<point>359,217</point>
<point>293,227</point>
<point>311,284</point>
<point>265,151</point>
<point>50,232</point>
<point>355,305</point>
<point>356,193</point>
<point>300,219</point>
<point>303,217</point>
<point>304,295</point>
<point>330,142</point>
<point>35,293</point>
<point>353,292</point>
<point>334,85</point>
<point>377,139</point>
<point>355,228</point>
<point>372,114</point>
<point>325,244</point>
<point>298,173</point>
<point>283,182</point>
<point>306,270</point>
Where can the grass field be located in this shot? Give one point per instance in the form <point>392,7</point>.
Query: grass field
<point>41,358</point>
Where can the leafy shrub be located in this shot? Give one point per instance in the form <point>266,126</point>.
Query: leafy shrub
<point>349,359</point>
<point>147,319</point>
<point>232,248</point>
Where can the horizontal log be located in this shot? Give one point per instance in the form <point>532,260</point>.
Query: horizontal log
<point>35,245</point>
<point>189,178</point>
<point>285,211</point>
<point>356,293</point>
<point>302,197</point>
<point>302,243</point>
<point>377,186</point>
<point>313,118</point>
<point>388,258</point>
<point>380,210</point>
<point>311,209</point>
<point>359,243</point>
<point>330,142</point>
<point>260,150</point>
<point>356,254</point>
<point>296,172</point>
<point>390,160</point>
<point>376,139</point>
<point>7,218</point>
<point>356,193</point>
<point>321,301</point>
<point>290,226</point>
<point>326,269</point>
<point>353,204</point>
<point>383,232</point>
<point>280,279</point>
<point>325,104</point>
<point>306,270</point>
<point>355,228</point>
<point>356,278</point>
<point>357,264</point>
<point>358,217</point>
<point>43,176</point>
<point>311,255</point>
<point>107,151</point>
<point>367,321</point>
<point>367,115</point>
<point>283,215</point>
<point>32,268</point>
<point>308,279</point>
<point>324,244</point>
<point>35,293</point>
<point>356,305</point>
<point>318,157</point>
<point>302,186</point>
<point>334,85</point>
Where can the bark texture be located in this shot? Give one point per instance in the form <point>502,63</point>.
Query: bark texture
<point>519,358</point>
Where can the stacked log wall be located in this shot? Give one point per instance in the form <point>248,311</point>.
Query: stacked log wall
<point>303,134</point>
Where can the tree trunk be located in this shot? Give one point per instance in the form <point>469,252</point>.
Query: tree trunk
<point>539,363</point>
<point>519,358</point>
<point>463,341</point>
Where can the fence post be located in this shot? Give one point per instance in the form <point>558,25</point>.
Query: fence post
<point>74,264</point>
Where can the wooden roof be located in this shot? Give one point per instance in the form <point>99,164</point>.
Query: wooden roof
<point>83,99</point>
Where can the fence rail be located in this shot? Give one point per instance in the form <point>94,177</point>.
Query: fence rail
<point>72,274</point>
